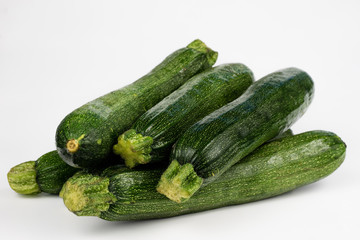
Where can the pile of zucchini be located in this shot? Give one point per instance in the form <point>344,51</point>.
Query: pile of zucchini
<point>184,138</point>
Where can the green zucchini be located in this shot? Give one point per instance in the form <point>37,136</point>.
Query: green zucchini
<point>154,133</point>
<point>85,137</point>
<point>272,169</point>
<point>47,174</point>
<point>215,143</point>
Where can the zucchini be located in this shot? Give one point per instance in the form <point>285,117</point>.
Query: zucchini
<point>85,137</point>
<point>50,172</point>
<point>215,143</point>
<point>47,174</point>
<point>272,169</point>
<point>154,133</point>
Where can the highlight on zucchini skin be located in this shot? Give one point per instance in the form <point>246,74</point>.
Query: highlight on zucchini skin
<point>47,174</point>
<point>175,175</point>
<point>154,133</point>
<point>222,138</point>
<point>274,168</point>
<point>85,137</point>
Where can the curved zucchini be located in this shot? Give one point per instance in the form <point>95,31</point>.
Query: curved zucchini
<point>272,169</point>
<point>47,174</point>
<point>85,137</point>
<point>215,143</point>
<point>154,133</point>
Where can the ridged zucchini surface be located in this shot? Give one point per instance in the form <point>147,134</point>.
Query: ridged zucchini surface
<point>154,133</point>
<point>85,137</point>
<point>222,138</point>
<point>274,168</point>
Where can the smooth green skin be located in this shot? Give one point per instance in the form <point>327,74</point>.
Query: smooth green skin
<point>97,124</point>
<point>268,107</point>
<point>52,172</point>
<point>274,168</point>
<point>199,96</point>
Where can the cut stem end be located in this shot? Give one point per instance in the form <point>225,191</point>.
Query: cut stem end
<point>22,178</point>
<point>179,182</point>
<point>87,195</point>
<point>201,47</point>
<point>72,145</point>
<point>134,148</point>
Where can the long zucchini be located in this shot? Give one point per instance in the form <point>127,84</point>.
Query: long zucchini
<point>215,143</point>
<point>154,133</point>
<point>272,169</point>
<point>85,137</point>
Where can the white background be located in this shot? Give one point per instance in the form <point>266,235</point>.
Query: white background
<point>57,55</point>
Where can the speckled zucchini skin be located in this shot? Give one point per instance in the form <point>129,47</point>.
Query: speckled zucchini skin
<point>52,172</point>
<point>97,124</point>
<point>201,95</point>
<point>272,169</point>
<point>268,107</point>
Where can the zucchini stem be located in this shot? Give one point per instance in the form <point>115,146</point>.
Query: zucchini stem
<point>179,182</point>
<point>200,46</point>
<point>134,148</point>
<point>22,178</point>
<point>87,195</point>
<point>74,144</point>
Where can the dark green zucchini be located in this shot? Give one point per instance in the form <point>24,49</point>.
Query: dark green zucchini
<point>86,136</point>
<point>272,169</point>
<point>215,143</point>
<point>154,133</point>
<point>47,174</point>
